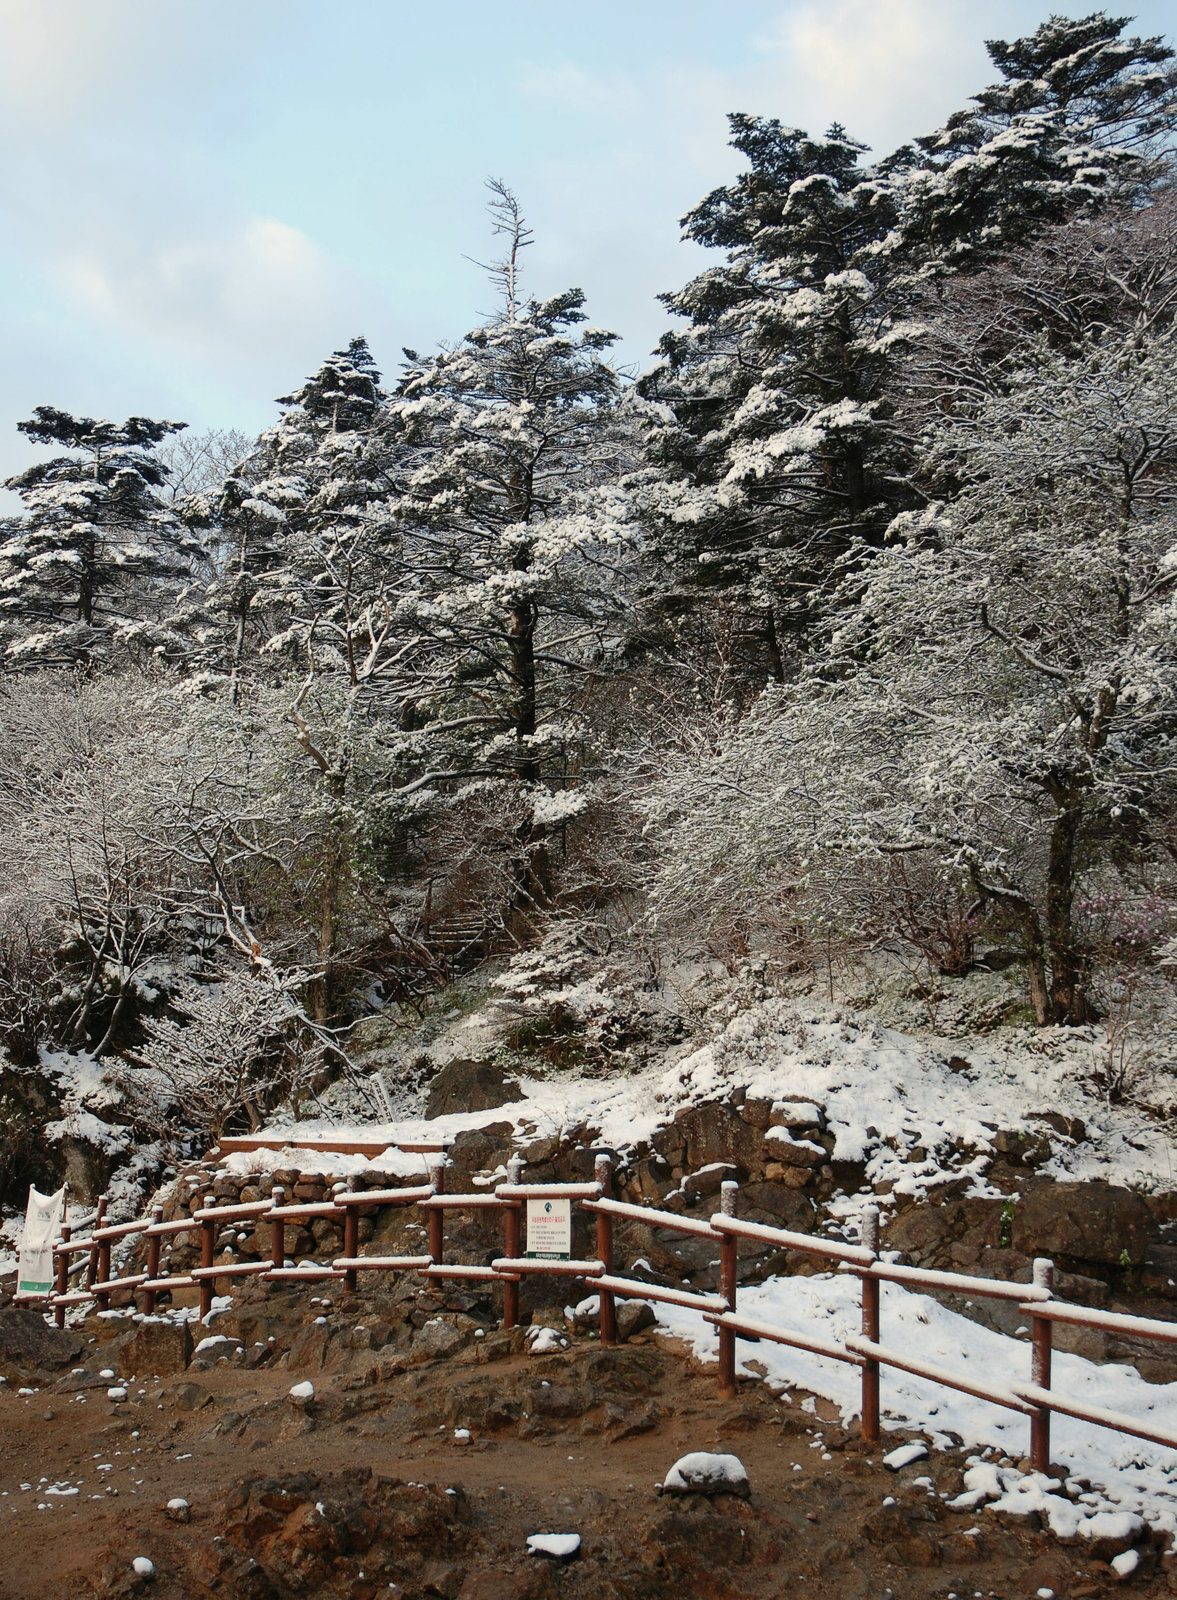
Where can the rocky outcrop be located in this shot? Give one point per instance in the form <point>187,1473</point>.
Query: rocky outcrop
<point>470,1086</point>
<point>1092,1222</point>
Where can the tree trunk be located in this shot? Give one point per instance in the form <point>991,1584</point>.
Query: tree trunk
<point>334,872</point>
<point>522,635</point>
<point>1039,998</point>
<point>1068,1000</point>
<point>238,655</point>
<point>534,887</point>
<point>88,559</point>
<point>776,664</point>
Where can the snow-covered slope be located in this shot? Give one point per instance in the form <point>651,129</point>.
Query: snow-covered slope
<point>884,1093</point>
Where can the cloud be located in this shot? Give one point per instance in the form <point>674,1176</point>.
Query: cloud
<point>54,53</point>
<point>230,296</point>
<point>887,69</point>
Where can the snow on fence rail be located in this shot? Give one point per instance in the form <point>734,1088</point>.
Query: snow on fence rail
<point>1035,1399</point>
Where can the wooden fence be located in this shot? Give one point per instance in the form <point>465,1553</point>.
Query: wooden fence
<point>1035,1398</point>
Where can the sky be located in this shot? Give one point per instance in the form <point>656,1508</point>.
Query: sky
<point>199,201</point>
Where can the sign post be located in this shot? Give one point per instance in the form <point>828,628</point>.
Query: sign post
<point>549,1230</point>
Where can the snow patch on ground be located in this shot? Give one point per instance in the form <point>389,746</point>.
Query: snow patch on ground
<point>1130,1475</point>
<point>559,1545</point>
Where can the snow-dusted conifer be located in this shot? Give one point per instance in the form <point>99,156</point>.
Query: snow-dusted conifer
<point>510,562</point>
<point>94,538</point>
<point>1081,116</point>
<point>291,534</point>
<point>775,454</point>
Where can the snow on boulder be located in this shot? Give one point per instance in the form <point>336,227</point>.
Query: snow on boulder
<point>702,1472</point>
<point>217,1342</point>
<point>584,1313</point>
<point>117,1393</point>
<point>178,1510</point>
<point>796,1114</point>
<point>302,1392</point>
<point>561,1546</point>
<point>545,1341</point>
<point>1110,1533</point>
<point>904,1456</point>
<point>143,1567</point>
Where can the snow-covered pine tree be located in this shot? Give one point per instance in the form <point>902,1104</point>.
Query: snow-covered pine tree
<point>511,562</point>
<point>777,449</point>
<point>96,542</point>
<point>300,619</point>
<point>290,535</point>
<point>1082,116</point>
<point>770,438</point>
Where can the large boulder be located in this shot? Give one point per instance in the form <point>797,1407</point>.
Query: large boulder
<point>157,1349</point>
<point>470,1086</point>
<point>28,1343</point>
<point>777,1205</point>
<point>703,1135</point>
<point>1086,1221</point>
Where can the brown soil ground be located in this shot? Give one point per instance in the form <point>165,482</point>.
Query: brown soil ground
<point>350,1494</point>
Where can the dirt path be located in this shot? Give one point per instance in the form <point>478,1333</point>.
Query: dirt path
<point>367,1490</point>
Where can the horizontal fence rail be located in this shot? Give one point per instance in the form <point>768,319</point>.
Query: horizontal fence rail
<point>90,1255</point>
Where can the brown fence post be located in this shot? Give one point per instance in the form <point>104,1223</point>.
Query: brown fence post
<point>153,1243</point>
<point>207,1242</point>
<point>436,1215</point>
<point>92,1264</point>
<point>511,1246</point>
<point>1041,1348</point>
<point>728,1257</point>
<point>870,1328</point>
<point>62,1275</point>
<point>277,1230</point>
<point>351,1236</point>
<point>603,1172</point>
<point>103,1269</point>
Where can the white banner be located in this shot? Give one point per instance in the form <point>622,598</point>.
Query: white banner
<point>36,1272</point>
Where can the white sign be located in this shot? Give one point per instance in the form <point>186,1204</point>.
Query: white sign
<point>549,1229</point>
<point>35,1274</point>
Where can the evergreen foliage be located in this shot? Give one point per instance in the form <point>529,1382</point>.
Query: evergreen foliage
<point>95,534</point>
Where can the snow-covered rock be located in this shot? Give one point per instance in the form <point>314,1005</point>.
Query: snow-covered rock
<point>217,1342</point>
<point>562,1546</point>
<point>702,1472</point>
<point>545,1341</point>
